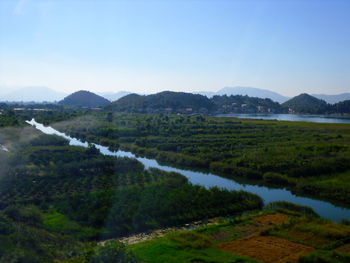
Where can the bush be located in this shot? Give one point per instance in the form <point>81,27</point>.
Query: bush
<point>112,252</point>
<point>320,256</point>
<point>276,178</point>
<point>30,215</point>
<point>190,239</point>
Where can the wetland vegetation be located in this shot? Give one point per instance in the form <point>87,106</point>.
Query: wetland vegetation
<point>309,158</point>
<point>58,202</point>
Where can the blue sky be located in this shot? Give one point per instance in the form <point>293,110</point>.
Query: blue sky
<point>149,46</point>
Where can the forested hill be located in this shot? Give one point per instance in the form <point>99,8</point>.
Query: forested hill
<point>189,103</point>
<point>180,102</point>
<point>84,98</point>
<point>342,107</point>
<point>166,101</point>
<point>305,103</point>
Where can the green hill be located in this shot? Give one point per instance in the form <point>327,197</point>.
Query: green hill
<point>166,101</point>
<point>84,98</point>
<point>181,102</point>
<point>305,103</point>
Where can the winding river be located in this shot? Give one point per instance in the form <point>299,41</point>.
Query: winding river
<point>324,209</point>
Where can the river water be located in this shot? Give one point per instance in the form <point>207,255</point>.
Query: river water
<point>324,209</point>
<point>292,117</point>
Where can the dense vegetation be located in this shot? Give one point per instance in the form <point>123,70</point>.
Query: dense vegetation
<point>310,158</point>
<point>56,199</point>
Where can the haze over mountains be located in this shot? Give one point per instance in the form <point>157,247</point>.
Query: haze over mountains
<point>251,92</point>
<point>333,98</point>
<point>113,96</point>
<point>36,94</point>
<point>44,94</point>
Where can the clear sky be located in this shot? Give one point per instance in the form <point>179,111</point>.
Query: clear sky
<point>149,46</point>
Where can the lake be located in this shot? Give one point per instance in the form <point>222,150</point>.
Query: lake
<point>292,117</point>
<point>324,209</point>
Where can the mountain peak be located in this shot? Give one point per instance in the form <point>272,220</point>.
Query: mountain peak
<point>84,98</point>
<point>305,103</point>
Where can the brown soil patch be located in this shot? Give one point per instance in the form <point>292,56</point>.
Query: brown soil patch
<point>270,219</point>
<point>268,249</point>
<point>344,249</point>
<point>308,238</point>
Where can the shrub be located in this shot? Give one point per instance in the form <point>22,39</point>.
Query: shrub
<point>112,252</point>
<point>190,239</point>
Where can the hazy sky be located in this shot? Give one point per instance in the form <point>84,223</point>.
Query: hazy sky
<point>149,46</point>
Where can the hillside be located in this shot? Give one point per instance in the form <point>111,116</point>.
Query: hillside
<point>245,104</point>
<point>166,101</point>
<point>180,102</point>
<point>342,107</point>
<point>84,98</point>
<point>305,103</point>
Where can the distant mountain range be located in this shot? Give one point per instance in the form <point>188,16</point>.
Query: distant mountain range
<point>84,98</point>
<point>33,94</point>
<point>44,94</point>
<point>263,93</point>
<point>332,98</point>
<point>251,92</point>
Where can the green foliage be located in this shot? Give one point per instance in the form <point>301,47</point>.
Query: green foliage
<point>321,256</point>
<point>47,140</point>
<point>154,206</point>
<point>30,214</point>
<point>112,252</point>
<point>191,239</point>
<point>8,118</point>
